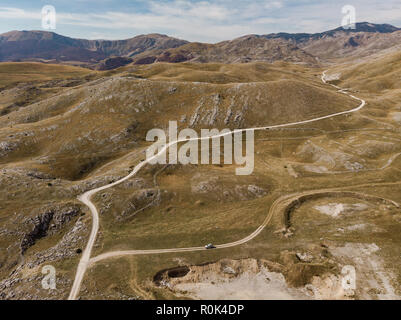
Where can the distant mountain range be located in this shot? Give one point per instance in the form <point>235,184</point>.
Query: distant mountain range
<point>305,48</point>
<point>41,45</point>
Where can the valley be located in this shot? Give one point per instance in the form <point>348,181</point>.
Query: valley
<point>79,194</point>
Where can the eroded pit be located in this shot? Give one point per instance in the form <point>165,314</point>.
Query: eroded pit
<point>290,279</point>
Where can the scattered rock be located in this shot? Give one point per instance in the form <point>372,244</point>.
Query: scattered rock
<point>305,257</point>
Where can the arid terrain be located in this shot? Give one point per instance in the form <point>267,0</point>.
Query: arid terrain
<point>325,193</point>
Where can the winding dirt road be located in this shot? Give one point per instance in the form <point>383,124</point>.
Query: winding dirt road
<point>86,261</point>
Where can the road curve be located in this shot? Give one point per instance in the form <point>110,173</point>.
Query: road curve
<point>274,208</point>
<point>85,260</point>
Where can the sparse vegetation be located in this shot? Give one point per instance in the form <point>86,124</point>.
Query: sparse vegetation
<point>69,130</point>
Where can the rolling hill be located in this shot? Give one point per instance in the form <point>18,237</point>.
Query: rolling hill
<point>323,194</point>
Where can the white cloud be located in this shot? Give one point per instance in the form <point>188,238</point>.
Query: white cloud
<point>216,20</point>
<point>199,10</point>
<point>16,13</point>
<point>273,4</point>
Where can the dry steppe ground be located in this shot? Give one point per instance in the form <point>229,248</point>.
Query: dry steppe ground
<point>331,186</point>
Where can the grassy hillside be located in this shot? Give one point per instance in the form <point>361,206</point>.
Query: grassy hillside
<point>376,75</point>
<point>13,73</point>
<point>220,73</point>
<point>87,130</point>
<point>81,128</point>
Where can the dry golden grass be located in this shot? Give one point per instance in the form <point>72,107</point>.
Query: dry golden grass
<point>375,75</point>
<point>81,128</point>
<point>93,133</point>
<point>220,73</point>
<point>12,73</point>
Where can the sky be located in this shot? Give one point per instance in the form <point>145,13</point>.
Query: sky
<point>204,21</point>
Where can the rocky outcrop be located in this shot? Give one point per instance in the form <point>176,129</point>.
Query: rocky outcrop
<point>6,147</point>
<point>113,63</point>
<point>41,225</point>
<point>46,224</point>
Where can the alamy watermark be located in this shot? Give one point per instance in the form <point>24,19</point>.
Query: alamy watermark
<point>349,18</point>
<point>188,152</point>
<point>348,281</point>
<point>49,18</point>
<point>49,281</point>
